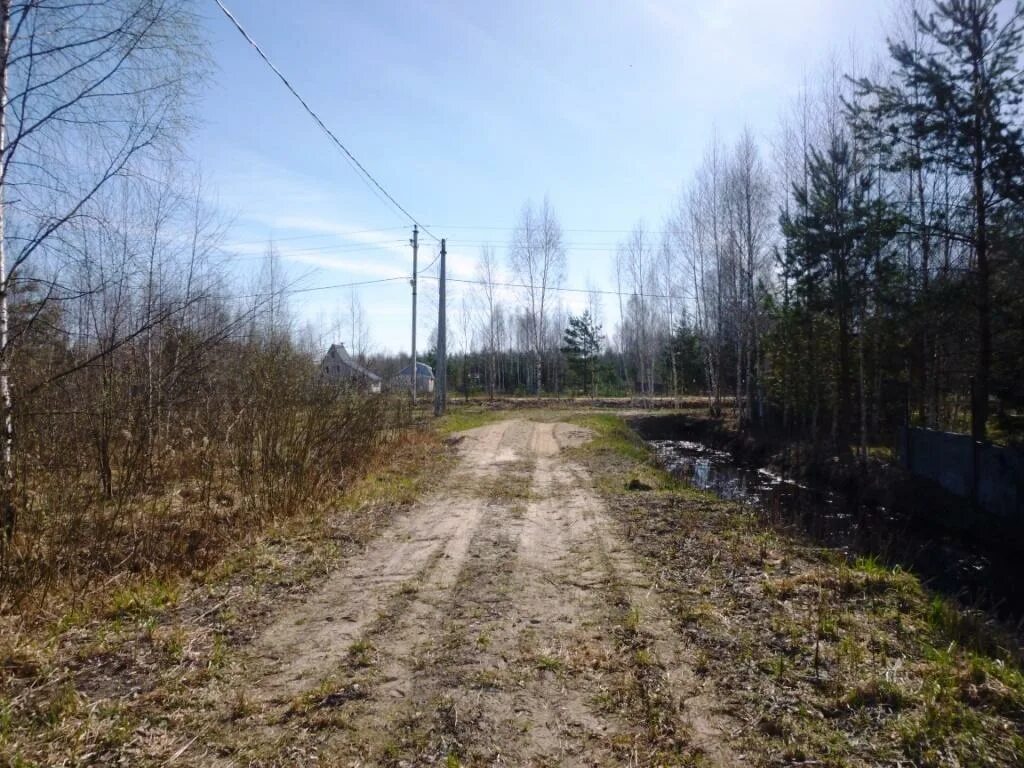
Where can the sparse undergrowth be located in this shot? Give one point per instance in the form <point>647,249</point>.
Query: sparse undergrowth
<point>78,687</point>
<point>830,661</point>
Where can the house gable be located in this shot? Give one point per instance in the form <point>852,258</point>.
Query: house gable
<point>339,364</point>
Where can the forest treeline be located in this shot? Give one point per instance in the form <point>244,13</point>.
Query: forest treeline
<point>862,268</point>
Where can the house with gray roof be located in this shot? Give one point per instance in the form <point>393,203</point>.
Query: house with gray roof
<point>424,379</point>
<point>340,367</point>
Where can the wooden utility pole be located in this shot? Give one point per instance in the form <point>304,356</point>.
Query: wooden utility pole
<point>441,374</point>
<point>412,366</point>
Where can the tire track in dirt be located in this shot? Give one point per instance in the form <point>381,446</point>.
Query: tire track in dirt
<point>556,626</point>
<point>525,668</point>
<point>489,623</point>
<point>417,660</point>
<point>572,568</point>
<point>509,675</point>
<point>427,544</point>
<point>707,727</point>
<point>388,602</point>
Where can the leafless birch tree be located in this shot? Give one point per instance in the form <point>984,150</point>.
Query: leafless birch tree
<point>87,90</point>
<point>488,274</point>
<point>537,260</point>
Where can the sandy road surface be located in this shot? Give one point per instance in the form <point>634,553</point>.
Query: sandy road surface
<point>502,621</point>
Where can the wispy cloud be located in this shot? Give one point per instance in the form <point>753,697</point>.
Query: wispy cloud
<point>351,266</point>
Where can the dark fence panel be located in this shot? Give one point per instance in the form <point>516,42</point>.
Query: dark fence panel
<point>991,475</point>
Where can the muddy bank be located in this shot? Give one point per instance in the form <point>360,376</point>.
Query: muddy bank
<point>879,483</point>
<point>880,511</point>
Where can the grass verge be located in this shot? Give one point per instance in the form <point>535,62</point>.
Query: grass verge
<point>830,661</point>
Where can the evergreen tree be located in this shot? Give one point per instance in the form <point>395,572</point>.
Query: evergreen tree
<point>958,97</point>
<point>581,345</point>
<point>685,349</point>
<point>832,244</point>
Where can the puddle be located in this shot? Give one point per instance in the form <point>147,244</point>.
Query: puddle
<point>944,560</point>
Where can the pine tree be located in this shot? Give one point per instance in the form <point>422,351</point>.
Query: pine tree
<point>831,246</point>
<point>958,97</point>
<point>685,352</point>
<point>581,345</point>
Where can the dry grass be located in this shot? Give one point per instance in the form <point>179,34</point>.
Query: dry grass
<point>820,659</point>
<point>477,412</point>
<point>77,687</point>
<point>197,500</point>
<point>829,661</point>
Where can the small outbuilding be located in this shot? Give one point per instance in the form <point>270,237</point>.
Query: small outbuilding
<point>340,367</point>
<point>424,379</point>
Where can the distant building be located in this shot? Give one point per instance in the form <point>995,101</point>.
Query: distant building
<point>424,378</point>
<point>339,366</point>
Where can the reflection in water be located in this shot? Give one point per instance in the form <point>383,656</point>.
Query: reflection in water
<point>942,558</point>
<point>716,471</point>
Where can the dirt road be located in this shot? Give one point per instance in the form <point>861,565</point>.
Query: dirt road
<point>503,620</point>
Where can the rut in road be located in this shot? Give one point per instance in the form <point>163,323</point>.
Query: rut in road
<point>502,620</point>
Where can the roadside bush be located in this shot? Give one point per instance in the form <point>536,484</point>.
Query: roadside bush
<point>118,475</point>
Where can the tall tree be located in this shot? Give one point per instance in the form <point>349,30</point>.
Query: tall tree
<point>830,245</point>
<point>958,98</point>
<point>87,90</point>
<point>748,200</point>
<point>358,330</point>
<point>668,280</point>
<point>488,276</point>
<point>637,257</point>
<point>581,345</point>
<point>537,260</point>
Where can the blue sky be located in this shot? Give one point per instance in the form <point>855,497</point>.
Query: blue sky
<point>465,110</point>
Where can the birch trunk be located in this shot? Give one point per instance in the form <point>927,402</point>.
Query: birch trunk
<point>6,400</point>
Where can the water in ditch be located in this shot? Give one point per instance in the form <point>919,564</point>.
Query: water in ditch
<point>945,560</point>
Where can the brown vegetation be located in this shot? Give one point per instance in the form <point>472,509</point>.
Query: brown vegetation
<point>117,488</point>
<point>82,680</point>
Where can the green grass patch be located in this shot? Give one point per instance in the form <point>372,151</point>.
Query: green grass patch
<point>360,653</point>
<point>611,433</point>
<point>401,476</point>
<point>143,600</point>
<point>969,629</point>
<point>876,694</point>
<point>549,664</point>
<point>626,464</point>
<point>462,418</point>
<point>843,660</point>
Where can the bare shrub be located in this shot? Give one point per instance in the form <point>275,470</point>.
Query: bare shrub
<point>249,435</point>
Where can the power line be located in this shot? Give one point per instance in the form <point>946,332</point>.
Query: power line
<point>496,228</point>
<point>464,281</point>
<point>311,289</point>
<point>270,294</point>
<point>483,227</point>
<point>89,336</point>
<point>326,250</point>
<point>426,268</point>
<point>599,247</point>
<point>330,134</point>
<point>562,289</point>
<point>464,241</point>
<point>396,244</point>
<point>356,284</point>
